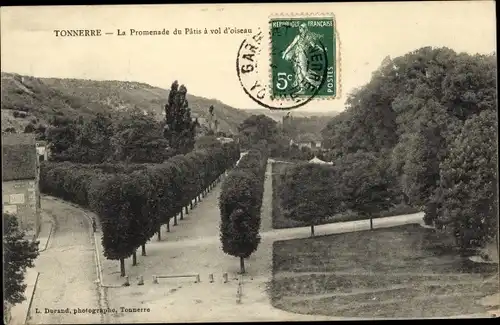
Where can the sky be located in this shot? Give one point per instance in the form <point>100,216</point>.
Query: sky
<point>367,32</point>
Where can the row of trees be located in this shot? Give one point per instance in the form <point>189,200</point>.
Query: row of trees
<point>134,201</point>
<point>240,205</point>
<point>357,182</point>
<point>431,115</point>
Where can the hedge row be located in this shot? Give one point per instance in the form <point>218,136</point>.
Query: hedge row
<point>133,201</point>
<point>240,204</point>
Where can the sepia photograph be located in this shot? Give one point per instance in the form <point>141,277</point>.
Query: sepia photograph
<point>184,163</point>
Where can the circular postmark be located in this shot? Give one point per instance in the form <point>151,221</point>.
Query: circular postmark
<point>260,80</point>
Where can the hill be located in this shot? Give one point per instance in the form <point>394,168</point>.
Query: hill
<point>277,115</point>
<point>26,99</point>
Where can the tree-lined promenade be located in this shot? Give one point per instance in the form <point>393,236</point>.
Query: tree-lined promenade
<point>133,200</point>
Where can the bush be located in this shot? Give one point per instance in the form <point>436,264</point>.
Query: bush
<point>21,114</point>
<point>240,205</point>
<point>30,128</point>
<point>307,194</point>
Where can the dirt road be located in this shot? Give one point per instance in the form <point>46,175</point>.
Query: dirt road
<point>67,270</point>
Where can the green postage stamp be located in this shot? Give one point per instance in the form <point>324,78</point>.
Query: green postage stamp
<point>303,57</point>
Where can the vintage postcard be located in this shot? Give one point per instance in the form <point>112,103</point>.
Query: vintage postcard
<point>249,162</point>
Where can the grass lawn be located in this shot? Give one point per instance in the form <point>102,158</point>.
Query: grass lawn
<point>280,222</point>
<point>391,272</point>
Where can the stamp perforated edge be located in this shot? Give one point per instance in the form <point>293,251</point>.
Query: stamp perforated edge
<point>338,56</point>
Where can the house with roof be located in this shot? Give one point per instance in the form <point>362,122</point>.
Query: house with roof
<point>316,160</point>
<point>309,140</point>
<point>20,180</point>
<point>43,150</point>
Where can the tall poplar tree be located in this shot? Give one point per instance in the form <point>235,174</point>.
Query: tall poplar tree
<point>180,129</point>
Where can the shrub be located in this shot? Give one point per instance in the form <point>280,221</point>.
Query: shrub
<point>240,205</point>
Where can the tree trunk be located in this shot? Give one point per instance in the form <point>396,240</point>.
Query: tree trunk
<point>122,267</point>
<point>242,265</point>
<point>312,230</point>
<point>159,233</point>
<point>191,205</point>
<point>371,222</point>
<point>182,214</point>
<point>168,226</point>
<point>175,220</point>
<point>143,250</point>
<point>187,211</point>
<point>134,259</point>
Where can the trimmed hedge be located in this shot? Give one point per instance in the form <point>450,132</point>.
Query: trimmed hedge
<point>133,201</point>
<point>240,205</point>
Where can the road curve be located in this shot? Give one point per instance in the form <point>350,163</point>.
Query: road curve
<point>67,280</point>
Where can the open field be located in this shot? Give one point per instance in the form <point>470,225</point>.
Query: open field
<point>280,222</point>
<point>386,273</point>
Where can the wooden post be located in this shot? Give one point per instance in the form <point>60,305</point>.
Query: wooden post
<point>225,277</point>
<point>211,278</point>
<point>197,278</point>
<point>155,280</point>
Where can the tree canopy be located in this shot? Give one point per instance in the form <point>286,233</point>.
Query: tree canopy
<point>416,106</point>
<point>19,254</point>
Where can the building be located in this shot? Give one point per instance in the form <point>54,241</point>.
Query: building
<point>42,150</point>
<point>308,140</point>
<point>20,180</point>
<point>316,160</point>
<point>225,140</point>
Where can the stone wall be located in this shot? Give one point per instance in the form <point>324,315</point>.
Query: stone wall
<point>21,198</point>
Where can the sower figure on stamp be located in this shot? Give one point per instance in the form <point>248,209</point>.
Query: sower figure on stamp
<point>297,52</point>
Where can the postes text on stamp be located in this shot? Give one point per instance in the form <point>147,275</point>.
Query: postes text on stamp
<point>302,50</point>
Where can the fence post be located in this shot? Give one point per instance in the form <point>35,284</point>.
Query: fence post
<point>155,280</point>
<point>211,277</point>
<point>197,278</point>
<point>238,294</point>
<point>225,277</point>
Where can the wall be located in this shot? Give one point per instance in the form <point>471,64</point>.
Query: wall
<point>21,198</point>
